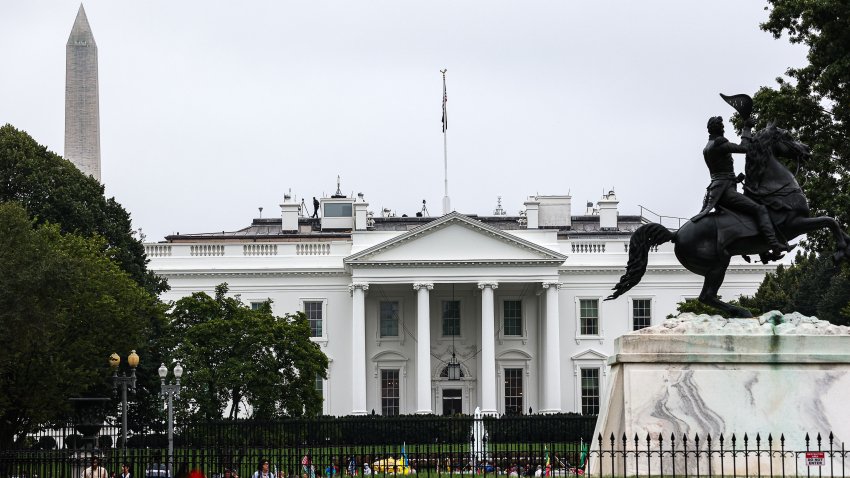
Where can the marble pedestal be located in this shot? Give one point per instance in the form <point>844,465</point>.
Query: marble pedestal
<point>773,376</point>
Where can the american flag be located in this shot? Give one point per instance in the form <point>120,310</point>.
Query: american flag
<point>445,98</point>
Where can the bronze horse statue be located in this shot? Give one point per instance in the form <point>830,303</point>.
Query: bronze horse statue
<point>706,246</point>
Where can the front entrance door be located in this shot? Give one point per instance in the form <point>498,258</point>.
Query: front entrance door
<point>452,401</point>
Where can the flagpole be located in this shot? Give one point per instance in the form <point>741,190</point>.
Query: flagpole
<point>447,208</point>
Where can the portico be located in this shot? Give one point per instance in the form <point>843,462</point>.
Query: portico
<point>455,287</point>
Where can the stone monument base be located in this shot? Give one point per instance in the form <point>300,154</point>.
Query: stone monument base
<point>772,379</point>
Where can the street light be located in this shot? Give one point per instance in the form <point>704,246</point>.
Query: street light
<point>170,392</point>
<point>124,381</point>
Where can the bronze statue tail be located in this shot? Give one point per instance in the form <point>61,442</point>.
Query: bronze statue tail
<point>645,237</point>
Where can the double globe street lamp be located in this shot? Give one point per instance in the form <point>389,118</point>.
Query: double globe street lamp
<point>124,381</point>
<point>170,392</point>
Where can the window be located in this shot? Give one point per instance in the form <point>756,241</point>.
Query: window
<point>513,391</point>
<point>389,318</point>
<point>451,318</point>
<point>590,391</point>
<point>315,313</point>
<point>389,392</point>
<point>258,305</point>
<point>338,210</point>
<point>513,318</point>
<point>589,316</point>
<point>641,313</point>
<point>320,385</point>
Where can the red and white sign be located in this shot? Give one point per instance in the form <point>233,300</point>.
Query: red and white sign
<point>815,458</point>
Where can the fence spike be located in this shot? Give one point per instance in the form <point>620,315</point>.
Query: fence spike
<point>831,437</point>
<point>600,437</point>
<point>807,438</point>
<point>770,439</point>
<point>673,437</point>
<point>758,438</point>
<point>636,439</point>
<point>721,439</point>
<point>696,438</point>
<point>782,439</point>
<point>624,438</point>
<point>660,439</point>
<point>685,438</point>
<point>612,439</point>
<point>746,439</point>
<point>647,438</point>
<point>733,439</point>
<point>818,438</point>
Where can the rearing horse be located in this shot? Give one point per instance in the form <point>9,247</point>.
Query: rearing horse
<point>705,247</point>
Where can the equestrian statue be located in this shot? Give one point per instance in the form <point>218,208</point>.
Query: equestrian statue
<point>771,211</point>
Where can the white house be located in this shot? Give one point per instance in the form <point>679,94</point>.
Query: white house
<point>445,314</point>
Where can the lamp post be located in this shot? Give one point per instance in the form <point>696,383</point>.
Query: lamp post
<point>170,392</point>
<point>124,381</point>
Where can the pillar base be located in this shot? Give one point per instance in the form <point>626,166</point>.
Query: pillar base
<point>424,412</point>
<point>550,411</point>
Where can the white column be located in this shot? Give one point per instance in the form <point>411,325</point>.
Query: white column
<point>488,348</point>
<point>358,348</point>
<point>423,347</point>
<point>551,351</point>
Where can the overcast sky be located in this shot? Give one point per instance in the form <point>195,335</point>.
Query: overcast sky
<point>211,109</point>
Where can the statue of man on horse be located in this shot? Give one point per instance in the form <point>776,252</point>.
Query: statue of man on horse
<point>772,209</point>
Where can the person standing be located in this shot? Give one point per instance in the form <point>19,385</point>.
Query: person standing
<point>125,471</point>
<point>95,470</point>
<point>264,471</point>
<point>315,207</point>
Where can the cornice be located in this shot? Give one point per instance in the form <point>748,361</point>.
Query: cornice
<point>461,263</point>
<point>750,269</point>
<point>250,273</point>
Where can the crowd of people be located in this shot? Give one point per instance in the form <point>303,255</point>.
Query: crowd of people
<point>352,466</point>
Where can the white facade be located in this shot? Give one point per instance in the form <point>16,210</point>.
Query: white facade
<point>521,307</point>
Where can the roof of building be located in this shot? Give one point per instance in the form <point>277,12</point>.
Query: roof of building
<point>269,229</point>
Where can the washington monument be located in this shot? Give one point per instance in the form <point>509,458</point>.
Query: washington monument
<point>82,113</point>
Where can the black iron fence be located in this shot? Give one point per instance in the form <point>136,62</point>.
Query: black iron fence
<point>329,447</point>
<point>721,456</point>
<point>319,447</point>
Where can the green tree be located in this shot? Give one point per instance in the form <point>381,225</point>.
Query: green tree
<point>812,286</point>
<point>813,101</point>
<point>53,190</point>
<point>694,306</point>
<point>64,307</point>
<point>250,359</point>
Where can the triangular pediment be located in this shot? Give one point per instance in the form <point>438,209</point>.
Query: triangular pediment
<point>455,238</point>
<point>589,354</point>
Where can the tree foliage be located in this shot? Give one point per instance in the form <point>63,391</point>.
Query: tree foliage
<point>64,307</point>
<point>53,190</point>
<point>813,101</point>
<point>244,361</point>
<point>813,286</point>
<point>694,306</point>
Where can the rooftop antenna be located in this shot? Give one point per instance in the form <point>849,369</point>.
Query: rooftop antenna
<point>261,212</point>
<point>338,192</point>
<point>447,204</point>
<point>499,211</point>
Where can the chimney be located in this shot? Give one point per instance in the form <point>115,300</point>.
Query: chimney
<point>532,209</point>
<point>555,211</point>
<point>360,214</point>
<point>289,214</point>
<point>608,211</point>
